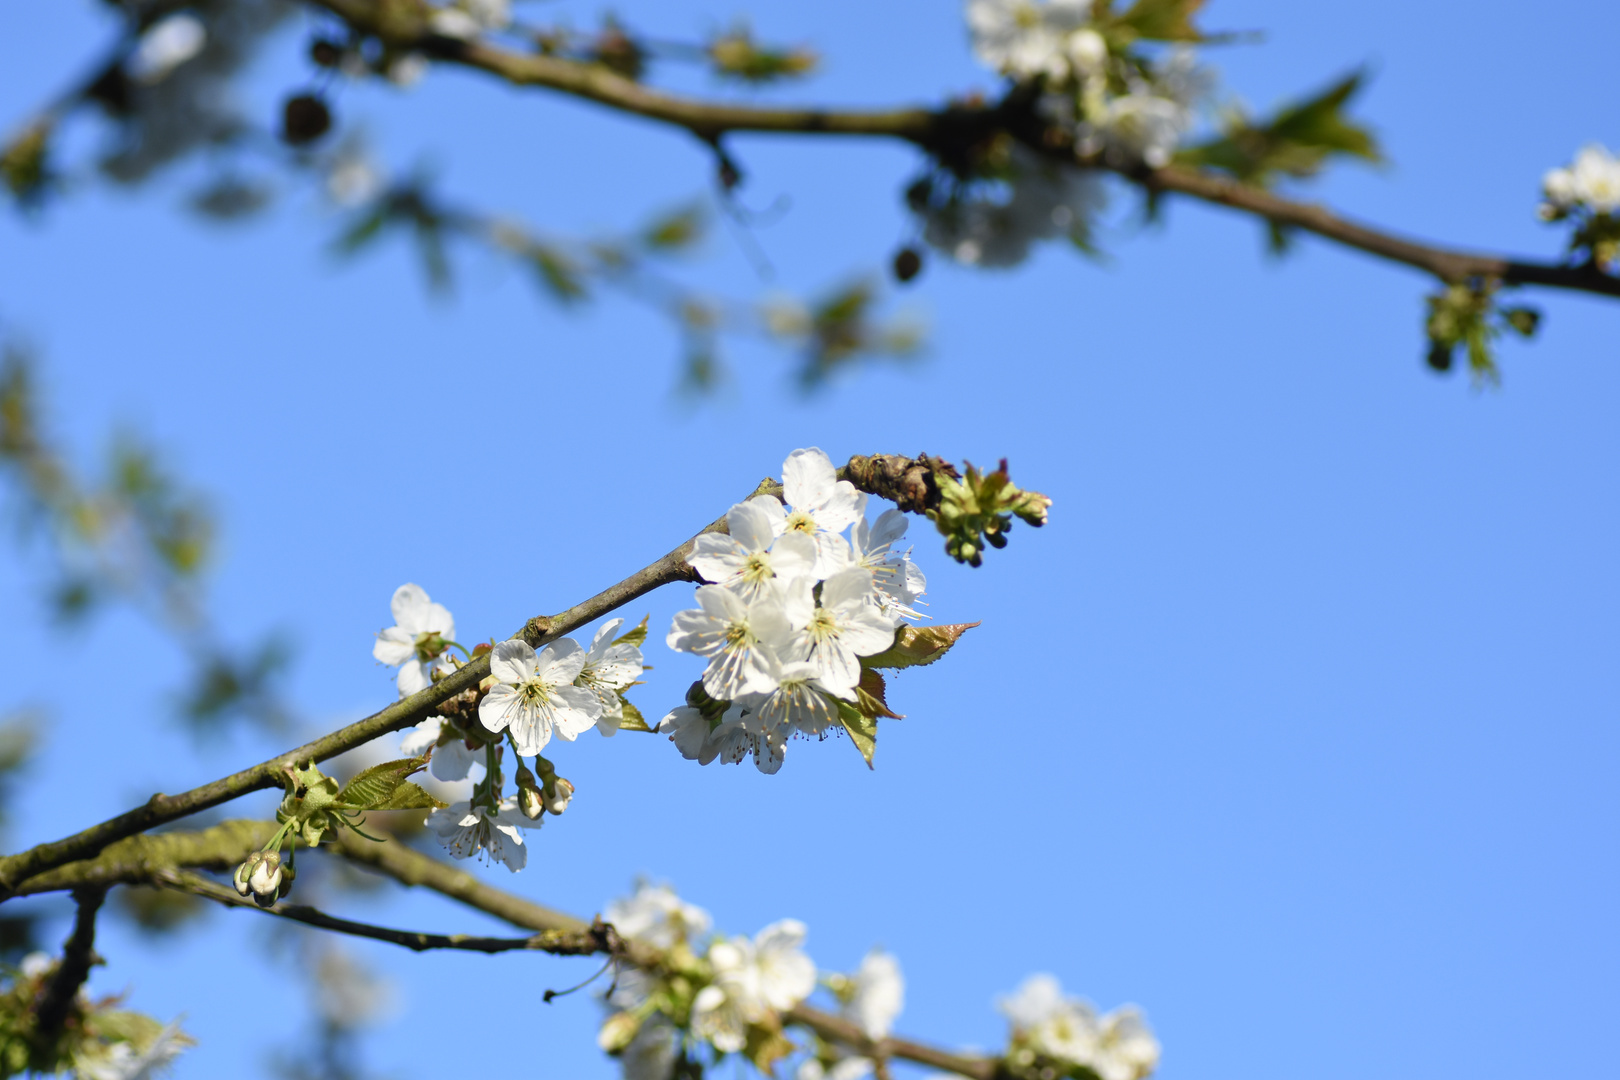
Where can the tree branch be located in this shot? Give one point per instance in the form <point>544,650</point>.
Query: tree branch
<point>56,1001</point>
<point>596,938</point>
<point>404,25</point>
<point>134,860</point>
<point>161,809</point>
<point>411,867</point>
<point>888,476</point>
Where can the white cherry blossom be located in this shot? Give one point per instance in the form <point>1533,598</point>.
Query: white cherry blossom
<point>800,703</point>
<point>1592,180</point>
<point>466,830</point>
<point>753,554</point>
<point>167,44</point>
<point>689,730</point>
<point>122,1061</point>
<point>535,696</point>
<point>739,638</point>
<point>897,581</point>
<point>452,758</point>
<point>849,1068</point>
<point>656,915</point>
<point>1028,38</point>
<point>844,627</point>
<point>420,629</point>
<point>879,993</point>
<point>1126,1049</point>
<point>608,669</point>
<point>819,505</point>
<point>651,1054</point>
<point>751,978</point>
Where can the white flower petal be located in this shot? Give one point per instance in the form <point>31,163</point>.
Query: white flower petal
<point>512,661</point>
<point>394,646</point>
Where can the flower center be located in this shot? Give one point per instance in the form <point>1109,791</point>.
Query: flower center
<point>799,521</point>
<point>737,636</point>
<point>533,693</point>
<point>758,568</point>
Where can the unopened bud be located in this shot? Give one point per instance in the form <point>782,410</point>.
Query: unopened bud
<point>265,879</point>
<point>530,799</point>
<point>289,872</point>
<point>618,1031</point>
<point>557,795</point>
<point>244,871</point>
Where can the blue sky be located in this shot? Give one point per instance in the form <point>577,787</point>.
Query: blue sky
<point>1295,727</point>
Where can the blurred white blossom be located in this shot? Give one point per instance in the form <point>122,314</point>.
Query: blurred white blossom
<point>656,915</point>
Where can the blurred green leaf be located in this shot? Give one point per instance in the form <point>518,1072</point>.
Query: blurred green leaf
<point>1297,142</point>
<point>1161,20</point>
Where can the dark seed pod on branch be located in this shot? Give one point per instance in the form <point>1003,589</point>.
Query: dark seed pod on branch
<point>1440,356</point>
<point>907,264</point>
<point>304,119</point>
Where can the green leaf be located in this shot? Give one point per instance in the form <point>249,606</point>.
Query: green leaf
<point>376,786</point>
<point>558,272</point>
<point>870,696</point>
<point>862,729</point>
<point>1297,142</point>
<point>765,1045</point>
<point>632,720</point>
<point>409,796</point>
<point>366,228</point>
<point>636,635</point>
<point>676,230</point>
<point>1162,20</point>
<point>917,645</point>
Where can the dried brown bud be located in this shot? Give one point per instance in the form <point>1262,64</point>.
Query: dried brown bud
<point>907,264</point>
<point>304,119</point>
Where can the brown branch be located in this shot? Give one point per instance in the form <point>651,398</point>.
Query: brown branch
<point>937,130</point>
<point>56,1001</point>
<point>414,868</point>
<point>596,938</point>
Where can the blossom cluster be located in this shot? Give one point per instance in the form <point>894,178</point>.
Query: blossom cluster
<point>563,690</point>
<point>1046,1024</point>
<point>791,608</point>
<point>1587,193</point>
<point>98,1042</point>
<point>1094,83</point>
<point>729,992</point>
<point>1591,183</point>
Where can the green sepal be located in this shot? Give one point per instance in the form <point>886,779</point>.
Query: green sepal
<point>917,645</point>
<point>862,729</point>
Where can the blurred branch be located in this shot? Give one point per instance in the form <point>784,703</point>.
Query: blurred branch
<point>414,868</point>
<point>78,954</point>
<point>403,24</point>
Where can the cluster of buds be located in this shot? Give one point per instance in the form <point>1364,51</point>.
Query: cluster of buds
<point>1466,314</point>
<point>979,509</point>
<point>549,794</point>
<point>265,877</point>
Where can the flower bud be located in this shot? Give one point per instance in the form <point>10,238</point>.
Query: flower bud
<point>530,799</point>
<point>618,1031</point>
<point>265,879</point>
<point>244,871</point>
<point>557,795</point>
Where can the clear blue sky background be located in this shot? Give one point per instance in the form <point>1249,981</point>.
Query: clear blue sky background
<point>1296,727</point>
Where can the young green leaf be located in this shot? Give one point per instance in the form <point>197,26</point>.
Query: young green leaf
<point>374,787</point>
<point>916,645</point>
<point>862,729</point>
<point>636,635</point>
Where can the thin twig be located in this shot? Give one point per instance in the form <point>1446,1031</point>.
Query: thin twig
<point>593,939</point>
